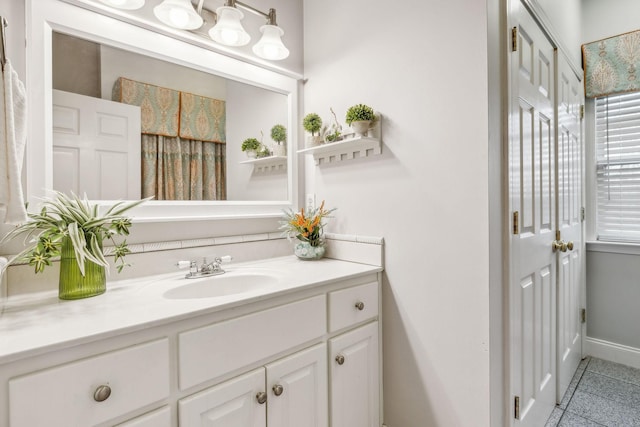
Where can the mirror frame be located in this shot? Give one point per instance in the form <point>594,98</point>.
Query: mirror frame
<point>43,17</point>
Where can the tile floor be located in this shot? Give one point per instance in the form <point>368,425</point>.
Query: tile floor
<point>601,393</point>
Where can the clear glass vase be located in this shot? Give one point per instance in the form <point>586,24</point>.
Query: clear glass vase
<point>72,284</point>
<point>306,251</point>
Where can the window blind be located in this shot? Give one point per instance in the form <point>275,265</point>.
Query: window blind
<point>618,167</point>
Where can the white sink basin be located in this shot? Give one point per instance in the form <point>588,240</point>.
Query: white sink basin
<point>230,283</point>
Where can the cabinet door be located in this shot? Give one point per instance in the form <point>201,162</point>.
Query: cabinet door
<point>230,404</point>
<point>355,385</point>
<point>297,388</point>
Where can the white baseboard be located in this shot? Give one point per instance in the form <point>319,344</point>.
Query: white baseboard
<point>613,352</point>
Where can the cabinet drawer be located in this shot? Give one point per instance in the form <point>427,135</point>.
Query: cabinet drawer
<point>159,418</point>
<point>64,395</point>
<point>353,305</point>
<point>211,351</point>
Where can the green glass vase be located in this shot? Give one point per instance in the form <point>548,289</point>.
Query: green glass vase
<point>72,284</point>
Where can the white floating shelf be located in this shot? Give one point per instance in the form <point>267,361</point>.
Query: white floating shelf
<point>361,146</point>
<point>268,164</point>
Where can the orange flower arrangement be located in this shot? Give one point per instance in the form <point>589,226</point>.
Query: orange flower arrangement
<point>307,228</point>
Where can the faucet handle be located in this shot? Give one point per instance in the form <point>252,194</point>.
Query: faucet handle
<point>226,258</point>
<point>183,264</point>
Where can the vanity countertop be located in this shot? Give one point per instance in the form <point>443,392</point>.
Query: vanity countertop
<point>35,323</point>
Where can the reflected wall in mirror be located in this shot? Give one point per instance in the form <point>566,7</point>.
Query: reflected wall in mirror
<point>127,126</point>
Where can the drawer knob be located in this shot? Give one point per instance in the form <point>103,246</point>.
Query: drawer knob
<point>340,359</point>
<point>102,393</point>
<point>278,389</point>
<point>261,397</point>
<point>360,305</point>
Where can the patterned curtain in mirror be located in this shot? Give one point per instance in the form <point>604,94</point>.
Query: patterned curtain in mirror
<point>183,142</point>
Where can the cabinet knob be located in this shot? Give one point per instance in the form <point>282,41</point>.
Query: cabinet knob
<point>278,389</point>
<point>360,305</point>
<point>102,393</point>
<point>261,397</point>
<point>340,359</point>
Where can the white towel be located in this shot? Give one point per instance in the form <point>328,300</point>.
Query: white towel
<point>13,120</point>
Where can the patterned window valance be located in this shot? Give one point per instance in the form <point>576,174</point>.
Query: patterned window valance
<point>202,118</point>
<point>611,65</point>
<point>160,107</point>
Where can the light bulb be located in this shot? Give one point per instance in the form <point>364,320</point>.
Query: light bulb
<point>179,17</point>
<point>229,37</point>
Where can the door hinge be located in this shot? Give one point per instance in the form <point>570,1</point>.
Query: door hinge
<point>516,225</point>
<point>514,39</point>
<point>583,315</point>
<point>581,111</point>
<point>516,409</point>
<point>582,213</point>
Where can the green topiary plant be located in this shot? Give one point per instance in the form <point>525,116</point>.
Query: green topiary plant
<point>312,123</point>
<point>250,144</point>
<point>359,112</point>
<point>279,134</point>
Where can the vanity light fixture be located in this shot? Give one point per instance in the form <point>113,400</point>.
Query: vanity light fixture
<point>124,4</point>
<point>178,14</point>
<point>228,31</point>
<point>270,45</point>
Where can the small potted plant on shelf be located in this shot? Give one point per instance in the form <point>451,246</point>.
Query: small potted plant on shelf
<point>360,117</point>
<point>279,135</point>
<point>263,151</point>
<point>251,147</point>
<point>312,123</point>
<point>75,230</point>
<point>333,132</point>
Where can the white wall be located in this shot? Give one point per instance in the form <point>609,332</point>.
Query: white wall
<point>613,277</point>
<point>425,69</point>
<point>602,19</point>
<point>117,63</point>
<point>250,110</point>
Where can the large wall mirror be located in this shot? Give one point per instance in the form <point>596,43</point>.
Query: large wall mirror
<point>80,60</point>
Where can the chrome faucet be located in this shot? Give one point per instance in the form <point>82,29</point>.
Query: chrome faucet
<point>206,268</point>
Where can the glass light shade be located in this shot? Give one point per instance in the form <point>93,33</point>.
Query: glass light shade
<point>228,30</point>
<point>270,45</point>
<point>178,14</point>
<point>124,4</point>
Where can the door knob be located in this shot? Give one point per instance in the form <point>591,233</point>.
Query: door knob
<point>277,389</point>
<point>570,246</point>
<point>559,245</point>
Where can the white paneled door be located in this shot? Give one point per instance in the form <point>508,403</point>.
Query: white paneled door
<point>532,289</point>
<point>569,214</point>
<point>546,261</point>
<point>96,147</point>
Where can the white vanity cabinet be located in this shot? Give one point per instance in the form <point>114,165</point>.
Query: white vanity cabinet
<point>93,390</point>
<point>291,392</point>
<point>355,378</point>
<point>307,356</point>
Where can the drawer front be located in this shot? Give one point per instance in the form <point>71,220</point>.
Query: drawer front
<point>211,351</point>
<point>64,395</point>
<point>352,305</point>
<point>159,418</point>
